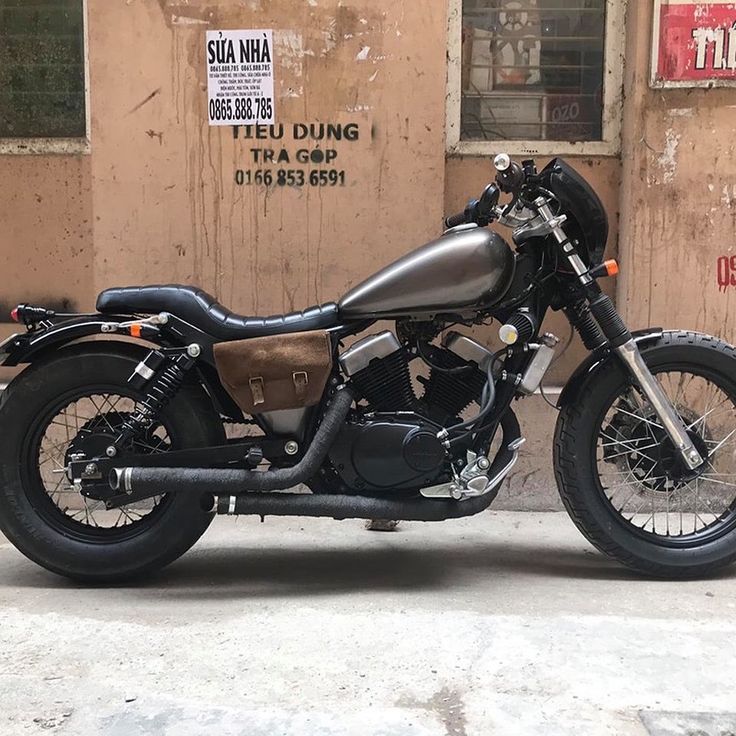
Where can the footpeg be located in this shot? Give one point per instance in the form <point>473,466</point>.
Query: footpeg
<point>474,480</point>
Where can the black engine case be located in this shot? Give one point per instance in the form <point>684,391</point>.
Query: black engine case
<point>384,451</point>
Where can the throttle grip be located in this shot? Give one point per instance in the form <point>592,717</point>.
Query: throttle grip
<point>455,220</point>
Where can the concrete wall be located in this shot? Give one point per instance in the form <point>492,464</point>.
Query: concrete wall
<point>45,231</point>
<point>164,185</point>
<point>46,237</point>
<point>678,198</point>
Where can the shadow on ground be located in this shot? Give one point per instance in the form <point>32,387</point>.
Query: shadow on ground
<point>284,560</point>
<point>240,570</point>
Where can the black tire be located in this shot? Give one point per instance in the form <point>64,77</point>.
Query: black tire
<point>24,517</point>
<point>575,464</point>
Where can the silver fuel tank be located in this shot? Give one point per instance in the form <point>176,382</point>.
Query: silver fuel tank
<point>467,269</point>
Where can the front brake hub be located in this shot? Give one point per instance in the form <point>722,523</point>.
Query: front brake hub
<point>647,452</point>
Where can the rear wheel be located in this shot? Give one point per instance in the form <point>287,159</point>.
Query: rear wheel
<point>77,402</point>
<point>621,478</point>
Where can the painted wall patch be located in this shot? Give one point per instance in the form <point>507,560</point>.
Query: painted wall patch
<point>694,44</point>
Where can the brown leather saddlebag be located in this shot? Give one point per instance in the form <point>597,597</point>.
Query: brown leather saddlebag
<point>277,371</point>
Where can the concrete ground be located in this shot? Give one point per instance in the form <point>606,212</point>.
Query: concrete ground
<point>507,623</point>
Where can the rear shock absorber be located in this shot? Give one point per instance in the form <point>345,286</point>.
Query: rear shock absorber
<point>161,389</point>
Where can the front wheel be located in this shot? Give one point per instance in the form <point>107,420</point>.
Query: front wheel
<point>77,401</point>
<point>621,479</point>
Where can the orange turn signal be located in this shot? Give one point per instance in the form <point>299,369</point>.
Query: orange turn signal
<point>611,267</point>
<point>607,268</point>
<point>135,330</point>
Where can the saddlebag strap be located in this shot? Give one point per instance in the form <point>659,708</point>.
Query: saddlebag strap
<point>277,371</point>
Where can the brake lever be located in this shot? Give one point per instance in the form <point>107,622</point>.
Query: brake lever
<point>486,206</point>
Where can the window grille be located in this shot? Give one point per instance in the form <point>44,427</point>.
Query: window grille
<point>532,70</point>
<point>42,76</point>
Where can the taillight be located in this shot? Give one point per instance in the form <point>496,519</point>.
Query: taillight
<point>14,315</point>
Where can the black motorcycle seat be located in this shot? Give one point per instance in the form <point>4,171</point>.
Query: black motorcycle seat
<point>202,310</point>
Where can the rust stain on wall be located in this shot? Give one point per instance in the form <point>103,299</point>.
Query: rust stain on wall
<point>265,248</point>
<point>144,101</point>
<point>678,160</point>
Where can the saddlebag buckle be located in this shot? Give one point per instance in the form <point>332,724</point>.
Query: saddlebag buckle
<point>256,390</point>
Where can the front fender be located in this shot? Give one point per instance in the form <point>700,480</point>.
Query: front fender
<point>598,361</point>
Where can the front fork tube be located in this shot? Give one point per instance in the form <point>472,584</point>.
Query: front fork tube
<point>623,344</point>
<point>631,357</point>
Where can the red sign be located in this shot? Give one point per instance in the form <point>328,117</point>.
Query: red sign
<point>694,43</point>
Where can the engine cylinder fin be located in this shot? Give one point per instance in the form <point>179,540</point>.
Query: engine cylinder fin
<point>447,395</point>
<point>386,384</point>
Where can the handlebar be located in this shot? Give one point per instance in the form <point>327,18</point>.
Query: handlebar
<point>511,177</point>
<point>456,220</point>
<point>479,211</point>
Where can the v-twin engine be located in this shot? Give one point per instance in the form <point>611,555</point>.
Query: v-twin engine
<point>392,443</point>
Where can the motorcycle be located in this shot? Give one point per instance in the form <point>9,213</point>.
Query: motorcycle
<point>115,455</point>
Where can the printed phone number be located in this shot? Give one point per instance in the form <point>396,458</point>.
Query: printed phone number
<point>291,177</point>
<point>241,109</point>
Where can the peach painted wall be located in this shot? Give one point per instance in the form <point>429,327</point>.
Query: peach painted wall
<point>166,202</point>
<point>678,198</point>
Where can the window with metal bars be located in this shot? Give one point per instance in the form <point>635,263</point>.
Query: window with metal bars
<point>42,77</point>
<point>532,70</point>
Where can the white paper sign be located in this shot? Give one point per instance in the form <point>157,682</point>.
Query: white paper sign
<point>240,77</point>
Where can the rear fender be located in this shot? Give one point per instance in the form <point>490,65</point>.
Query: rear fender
<point>598,361</point>
<point>30,346</point>
<point>33,346</point>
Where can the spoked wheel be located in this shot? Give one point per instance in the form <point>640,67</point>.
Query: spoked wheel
<point>621,478</point>
<point>88,425</point>
<point>641,474</point>
<point>74,404</point>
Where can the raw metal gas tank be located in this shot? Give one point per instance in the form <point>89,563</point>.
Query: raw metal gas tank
<point>467,269</point>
